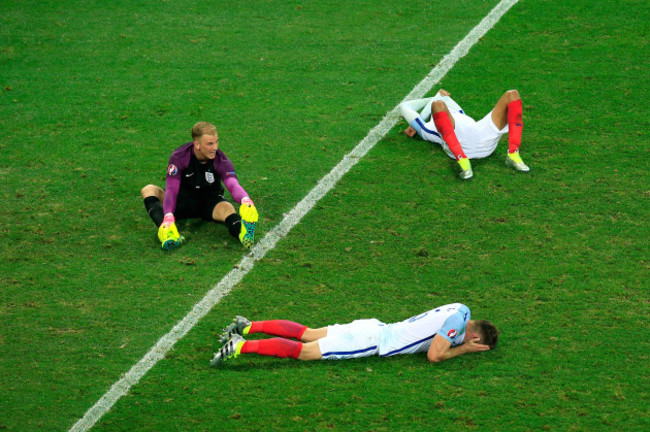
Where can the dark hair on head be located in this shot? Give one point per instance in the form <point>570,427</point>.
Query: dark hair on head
<point>489,333</point>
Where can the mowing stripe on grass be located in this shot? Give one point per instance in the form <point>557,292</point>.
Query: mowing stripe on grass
<point>291,219</point>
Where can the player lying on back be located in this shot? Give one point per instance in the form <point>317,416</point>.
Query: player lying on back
<point>194,189</point>
<point>443,333</point>
<point>444,122</point>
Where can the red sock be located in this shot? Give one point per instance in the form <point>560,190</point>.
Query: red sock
<point>282,328</point>
<point>443,124</point>
<point>276,347</point>
<point>515,125</point>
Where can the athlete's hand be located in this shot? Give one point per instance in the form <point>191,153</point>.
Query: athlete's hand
<point>168,220</point>
<point>247,210</point>
<point>410,132</point>
<point>168,233</point>
<point>443,92</point>
<point>472,345</point>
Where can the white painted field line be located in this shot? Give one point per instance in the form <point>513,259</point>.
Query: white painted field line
<point>291,219</point>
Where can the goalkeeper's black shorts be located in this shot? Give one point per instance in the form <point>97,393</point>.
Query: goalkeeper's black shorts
<point>197,204</point>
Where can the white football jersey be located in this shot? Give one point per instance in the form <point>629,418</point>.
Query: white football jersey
<point>415,334</point>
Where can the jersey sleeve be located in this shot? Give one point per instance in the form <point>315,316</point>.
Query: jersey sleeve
<point>236,191</point>
<point>172,186</point>
<point>451,104</point>
<point>226,171</point>
<point>453,328</point>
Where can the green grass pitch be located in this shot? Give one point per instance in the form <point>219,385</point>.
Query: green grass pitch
<point>95,95</point>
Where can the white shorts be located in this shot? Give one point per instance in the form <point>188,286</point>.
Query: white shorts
<point>478,139</point>
<point>359,338</point>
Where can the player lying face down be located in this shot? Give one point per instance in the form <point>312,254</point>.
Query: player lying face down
<point>442,333</point>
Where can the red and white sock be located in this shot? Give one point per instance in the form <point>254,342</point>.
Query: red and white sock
<point>282,328</point>
<point>515,125</point>
<point>446,129</point>
<point>275,347</point>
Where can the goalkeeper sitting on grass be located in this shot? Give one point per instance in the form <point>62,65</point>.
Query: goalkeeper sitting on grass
<point>194,189</point>
<point>443,333</point>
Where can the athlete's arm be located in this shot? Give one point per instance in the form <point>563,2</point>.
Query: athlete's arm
<point>247,210</point>
<point>236,191</point>
<point>409,110</point>
<point>172,186</point>
<point>226,171</point>
<point>441,349</point>
<point>451,331</point>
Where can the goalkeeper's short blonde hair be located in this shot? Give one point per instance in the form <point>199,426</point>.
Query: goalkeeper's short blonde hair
<point>203,128</point>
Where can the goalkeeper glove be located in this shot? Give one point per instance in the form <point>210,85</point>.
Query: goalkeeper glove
<point>168,234</point>
<point>247,210</point>
<point>168,220</point>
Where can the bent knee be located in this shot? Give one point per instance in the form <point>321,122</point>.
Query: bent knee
<point>512,95</point>
<point>438,106</point>
<point>150,190</point>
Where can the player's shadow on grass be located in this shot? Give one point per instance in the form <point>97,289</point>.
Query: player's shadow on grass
<point>272,364</point>
<point>196,225</point>
<point>369,364</point>
<point>201,229</point>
